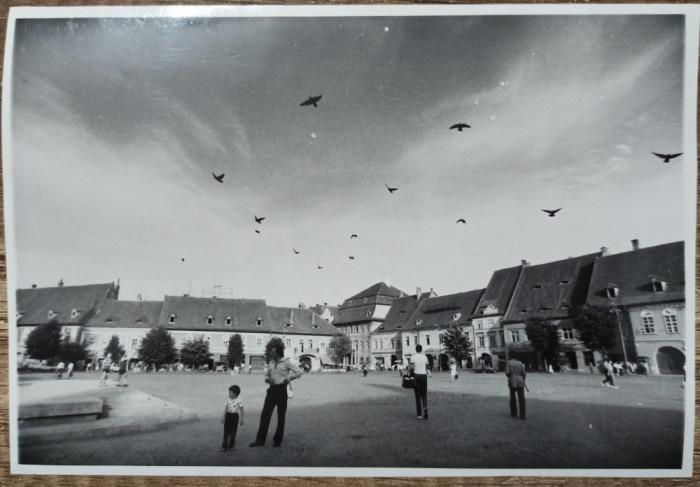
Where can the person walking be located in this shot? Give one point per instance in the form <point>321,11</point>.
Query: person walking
<point>419,366</point>
<point>278,373</point>
<point>60,368</point>
<point>106,364</point>
<point>453,371</point>
<point>233,412</point>
<point>608,372</point>
<point>515,371</point>
<point>69,369</point>
<point>123,366</point>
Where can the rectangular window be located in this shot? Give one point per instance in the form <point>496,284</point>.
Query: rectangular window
<point>489,322</point>
<point>567,333</point>
<point>258,342</point>
<point>323,345</point>
<point>478,325</point>
<point>311,344</point>
<point>427,339</point>
<point>492,340</point>
<point>408,341</point>
<point>104,341</point>
<point>480,339</point>
<point>671,323</point>
<point>301,346</point>
<point>648,327</point>
<point>289,343</point>
<point>514,336</point>
<point>134,343</point>
<point>381,344</point>
<point>225,343</point>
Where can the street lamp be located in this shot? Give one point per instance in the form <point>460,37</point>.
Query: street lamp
<point>616,310</point>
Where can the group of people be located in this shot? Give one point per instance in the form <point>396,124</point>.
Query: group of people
<point>418,367</point>
<point>107,366</point>
<point>279,373</point>
<point>62,368</point>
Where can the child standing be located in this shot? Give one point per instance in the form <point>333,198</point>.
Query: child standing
<point>232,412</point>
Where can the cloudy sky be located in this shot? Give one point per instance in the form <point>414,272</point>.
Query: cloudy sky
<point>118,124</point>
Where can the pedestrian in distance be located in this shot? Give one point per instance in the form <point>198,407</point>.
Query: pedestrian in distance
<point>515,371</point>
<point>60,368</point>
<point>453,371</point>
<point>608,372</point>
<point>123,366</point>
<point>419,366</point>
<point>106,364</point>
<point>69,369</point>
<point>233,416</point>
<point>364,370</point>
<point>278,373</point>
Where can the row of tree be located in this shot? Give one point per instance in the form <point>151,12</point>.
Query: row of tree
<point>596,326</point>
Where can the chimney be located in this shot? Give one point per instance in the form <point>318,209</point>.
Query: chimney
<point>524,263</point>
<point>33,286</point>
<point>291,316</point>
<point>604,251</point>
<point>313,318</point>
<point>635,244</point>
<point>60,283</point>
<point>419,291</point>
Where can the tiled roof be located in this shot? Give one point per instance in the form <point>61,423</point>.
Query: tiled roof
<point>127,314</point>
<point>355,314</point>
<point>442,311</point>
<point>68,305</point>
<point>499,291</point>
<point>379,289</point>
<point>240,315</point>
<point>193,314</point>
<point>299,321</point>
<point>632,273</point>
<point>551,290</point>
<point>400,313</point>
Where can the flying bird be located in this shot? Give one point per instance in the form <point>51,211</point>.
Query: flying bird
<point>259,219</point>
<point>551,212</point>
<point>257,231</point>
<point>183,259</point>
<point>460,126</point>
<point>311,101</point>
<point>461,220</point>
<point>391,190</point>
<point>354,235</point>
<point>320,267</point>
<point>352,258</point>
<point>667,157</point>
<point>295,251</point>
<point>219,178</point>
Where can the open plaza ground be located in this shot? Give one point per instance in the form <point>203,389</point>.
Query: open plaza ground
<point>347,420</point>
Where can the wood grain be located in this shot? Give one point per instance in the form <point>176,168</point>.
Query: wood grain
<point>123,481</point>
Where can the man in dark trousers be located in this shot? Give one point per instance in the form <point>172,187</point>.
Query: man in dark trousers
<point>515,371</point>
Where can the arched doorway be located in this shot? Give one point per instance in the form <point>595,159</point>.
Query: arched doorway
<point>670,360</point>
<point>444,362</point>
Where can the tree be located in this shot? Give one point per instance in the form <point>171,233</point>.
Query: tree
<point>157,347</point>
<point>456,343</point>
<point>597,326</point>
<point>44,341</point>
<point>195,352</point>
<point>235,351</point>
<point>74,351</point>
<point>339,348</point>
<point>544,338</point>
<point>113,348</point>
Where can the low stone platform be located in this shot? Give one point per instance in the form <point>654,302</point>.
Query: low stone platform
<point>61,410</point>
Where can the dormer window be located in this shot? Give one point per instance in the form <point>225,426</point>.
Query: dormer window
<point>210,320</point>
<point>258,321</point>
<point>336,318</point>
<point>228,321</point>
<point>489,309</point>
<point>419,322</point>
<point>456,316</point>
<point>74,313</point>
<point>522,311</point>
<point>369,313</point>
<point>612,291</point>
<point>364,300</point>
<point>537,286</point>
<point>171,320</point>
<point>289,325</point>
<point>564,282</point>
<point>51,314</point>
<point>658,285</point>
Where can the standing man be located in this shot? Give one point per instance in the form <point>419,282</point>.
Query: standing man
<point>123,366</point>
<point>515,371</point>
<point>419,365</point>
<point>278,373</point>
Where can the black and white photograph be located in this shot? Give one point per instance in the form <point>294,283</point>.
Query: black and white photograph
<point>359,241</point>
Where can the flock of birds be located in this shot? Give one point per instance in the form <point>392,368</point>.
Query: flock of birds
<point>314,100</point>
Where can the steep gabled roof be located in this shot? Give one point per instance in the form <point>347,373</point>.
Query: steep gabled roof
<point>68,305</point>
<point>499,291</point>
<point>442,311</point>
<point>193,314</point>
<point>354,314</point>
<point>633,272</point>
<point>379,289</point>
<point>551,290</point>
<point>400,314</point>
<point>127,314</point>
<point>298,321</point>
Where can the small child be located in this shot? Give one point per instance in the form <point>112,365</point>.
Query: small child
<point>234,408</point>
